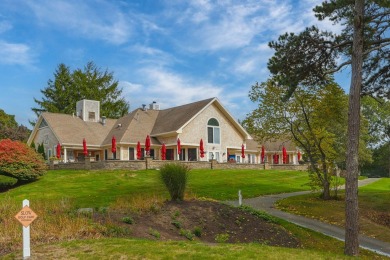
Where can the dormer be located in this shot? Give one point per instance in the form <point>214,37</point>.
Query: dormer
<point>88,110</point>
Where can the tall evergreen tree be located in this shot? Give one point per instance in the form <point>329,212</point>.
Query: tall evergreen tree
<point>68,87</point>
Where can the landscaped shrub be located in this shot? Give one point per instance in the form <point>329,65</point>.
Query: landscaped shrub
<point>222,238</point>
<point>128,220</point>
<point>174,176</point>
<point>197,231</point>
<point>19,161</point>
<point>187,233</point>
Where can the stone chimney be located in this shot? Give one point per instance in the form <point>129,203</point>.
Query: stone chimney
<point>88,110</point>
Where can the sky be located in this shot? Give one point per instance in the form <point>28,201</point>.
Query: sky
<point>169,51</point>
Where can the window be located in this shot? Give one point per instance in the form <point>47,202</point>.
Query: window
<point>91,116</point>
<point>192,154</point>
<point>43,123</point>
<point>131,153</point>
<point>170,154</point>
<point>213,132</point>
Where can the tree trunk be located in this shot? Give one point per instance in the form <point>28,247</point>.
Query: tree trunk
<point>326,191</point>
<point>351,184</point>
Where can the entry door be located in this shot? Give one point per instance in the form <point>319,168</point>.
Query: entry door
<point>214,155</point>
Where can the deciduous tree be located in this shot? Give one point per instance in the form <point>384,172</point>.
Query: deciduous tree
<point>308,58</point>
<point>9,128</point>
<point>314,118</point>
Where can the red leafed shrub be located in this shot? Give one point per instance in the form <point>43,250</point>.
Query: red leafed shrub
<point>19,161</point>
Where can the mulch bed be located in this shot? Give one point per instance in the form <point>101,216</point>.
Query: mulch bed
<point>212,221</point>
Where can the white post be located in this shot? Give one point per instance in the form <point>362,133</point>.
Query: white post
<point>239,198</point>
<point>65,155</point>
<point>26,236</point>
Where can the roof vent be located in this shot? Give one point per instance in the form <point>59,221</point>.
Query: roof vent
<point>154,106</point>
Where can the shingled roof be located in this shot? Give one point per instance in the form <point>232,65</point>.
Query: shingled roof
<point>172,119</point>
<point>134,127</point>
<point>71,130</point>
<point>128,129</point>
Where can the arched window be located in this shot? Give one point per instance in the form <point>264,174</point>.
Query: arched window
<point>213,131</point>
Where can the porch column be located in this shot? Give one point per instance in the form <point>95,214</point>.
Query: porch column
<point>65,155</point>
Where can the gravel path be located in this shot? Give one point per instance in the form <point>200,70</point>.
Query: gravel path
<point>266,203</point>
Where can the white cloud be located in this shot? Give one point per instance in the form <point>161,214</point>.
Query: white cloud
<point>5,26</point>
<point>101,20</point>
<point>15,53</point>
<point>129,88</point>
<point>152,56</point>
<point>167,88</point>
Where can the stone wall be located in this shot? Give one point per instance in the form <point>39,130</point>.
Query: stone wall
<point>296,167</point>
<point>149,163</point>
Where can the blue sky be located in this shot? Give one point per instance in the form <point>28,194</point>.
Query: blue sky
<point>169,51</point>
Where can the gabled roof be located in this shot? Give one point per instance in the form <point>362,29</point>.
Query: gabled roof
<point>133,127</point>
<point>172,119</point>
<point>277,145</point>
<point>71,130</point>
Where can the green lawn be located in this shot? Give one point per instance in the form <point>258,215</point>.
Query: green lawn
<point>57,189</point>
<point>101,188</point>
<point>374,204</point>
<point>141,249</point>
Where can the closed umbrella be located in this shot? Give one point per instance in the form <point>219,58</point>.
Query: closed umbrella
<point>113,145</point>
<point>58,151</point>
<point>243,151</point>
<point>163,152</point>
<point>85,151</point>
<point>299,155</point>
<point>147,145</point>
<point>138,151</point>
<point>284,151</point>
<point>201,148</point>
<point>262,153</point>
<point>178,146</point>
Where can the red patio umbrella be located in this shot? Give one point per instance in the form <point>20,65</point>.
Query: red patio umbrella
<point>147,145</point>
<point>178,146</point>
<point>284,151</point>
<point>58,151</point>
<point>201,148</point>
<point>243,151</point>
<point>138,151</point>
<point>85,151</point>
<point>299,155</point>
<point>262,153</point>
<point>163,152</point>
<point>113,145</point>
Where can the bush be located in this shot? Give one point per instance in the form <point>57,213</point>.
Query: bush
<point>128,220</point>
<point>175,177</point>
<point>19,161</point>
<point>221,238</point>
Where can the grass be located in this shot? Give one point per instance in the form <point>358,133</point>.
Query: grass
<point>374,204</point>
<point>103,188</point>
<point>120,248</point>
<point>224,184</point>
<point>56,196</point>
